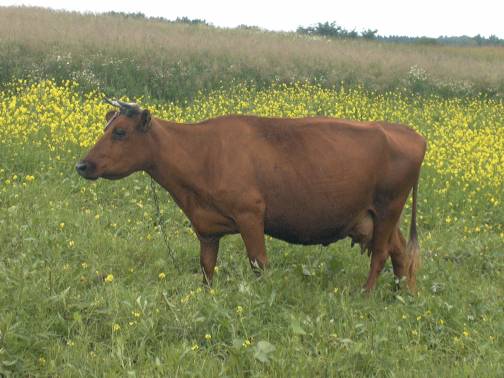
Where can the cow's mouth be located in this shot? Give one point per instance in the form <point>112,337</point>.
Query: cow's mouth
<point>91,178</point>
<point>111,177</point>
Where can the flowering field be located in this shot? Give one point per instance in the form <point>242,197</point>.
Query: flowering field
<point>87,287</point>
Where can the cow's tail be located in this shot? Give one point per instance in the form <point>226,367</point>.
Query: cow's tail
<point>413,248</point>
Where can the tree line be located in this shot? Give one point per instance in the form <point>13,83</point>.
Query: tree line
<point>333,30</point>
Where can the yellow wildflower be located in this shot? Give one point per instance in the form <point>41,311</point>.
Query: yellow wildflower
<point>239,310</point>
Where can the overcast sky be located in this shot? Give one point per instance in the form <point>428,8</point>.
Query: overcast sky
<point>430,18</point>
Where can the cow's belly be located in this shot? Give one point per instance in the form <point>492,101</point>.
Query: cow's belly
<point>308,203</point>
<point>318,223</point>
<point>306,237</point>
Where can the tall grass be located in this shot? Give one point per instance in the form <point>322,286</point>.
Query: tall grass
<point>134,56</point>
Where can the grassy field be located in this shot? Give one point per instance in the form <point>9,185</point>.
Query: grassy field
<point>171,61</point>
<point>87,287</point>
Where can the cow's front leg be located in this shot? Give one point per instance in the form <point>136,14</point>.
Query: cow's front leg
<point>209,247</point>
<point>251,227</point>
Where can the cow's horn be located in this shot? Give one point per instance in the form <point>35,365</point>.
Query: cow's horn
<point>123,104</point>
<point>112,102</point>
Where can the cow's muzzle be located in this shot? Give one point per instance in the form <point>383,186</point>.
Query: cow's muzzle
<point>86,169</point>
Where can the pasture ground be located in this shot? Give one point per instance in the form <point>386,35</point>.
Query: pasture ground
<point>87,287</point>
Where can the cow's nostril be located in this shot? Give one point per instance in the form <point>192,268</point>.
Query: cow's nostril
<point>81,167</point>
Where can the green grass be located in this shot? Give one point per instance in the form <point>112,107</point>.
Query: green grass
<point>55,308</point>
<point>139,57</point>
<point>305,316</point>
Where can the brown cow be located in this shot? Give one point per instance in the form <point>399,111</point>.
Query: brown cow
<point>306,181</point>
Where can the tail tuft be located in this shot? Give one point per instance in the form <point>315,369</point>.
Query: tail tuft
<point>413,251</point>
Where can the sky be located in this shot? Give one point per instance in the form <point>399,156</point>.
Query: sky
<point>431,18</point>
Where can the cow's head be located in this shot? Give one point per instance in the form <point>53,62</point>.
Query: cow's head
<point>124,147</point>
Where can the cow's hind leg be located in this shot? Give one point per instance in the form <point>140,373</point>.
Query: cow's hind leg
<point>400,260</point>
<point>385,225</point>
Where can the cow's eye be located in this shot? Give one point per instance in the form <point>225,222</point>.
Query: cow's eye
<point>118,133</point>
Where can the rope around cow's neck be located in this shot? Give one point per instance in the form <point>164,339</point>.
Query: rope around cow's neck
<point>159,224</point>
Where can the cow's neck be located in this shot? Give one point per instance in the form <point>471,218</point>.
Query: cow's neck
<point>178,156</point>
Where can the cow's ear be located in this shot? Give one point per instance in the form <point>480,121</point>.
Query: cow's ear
<point>145,120</point>
<point>109,115</point>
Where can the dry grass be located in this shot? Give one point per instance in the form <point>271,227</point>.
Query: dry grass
<point>175,60</point>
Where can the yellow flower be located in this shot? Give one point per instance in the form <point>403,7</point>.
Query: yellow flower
<point>42,361</point>
<point>464,158</point>
<point>136,314</point>
<point>466,333</point>
<point>162,276</point>
<point>116,327</point>
<point>246,343</point>
<point>208,337</point>
<point>109,278</point>
<point>71,243</point>
<point>195,347</point>
<point>62,226</point>
<point>239,310</point>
